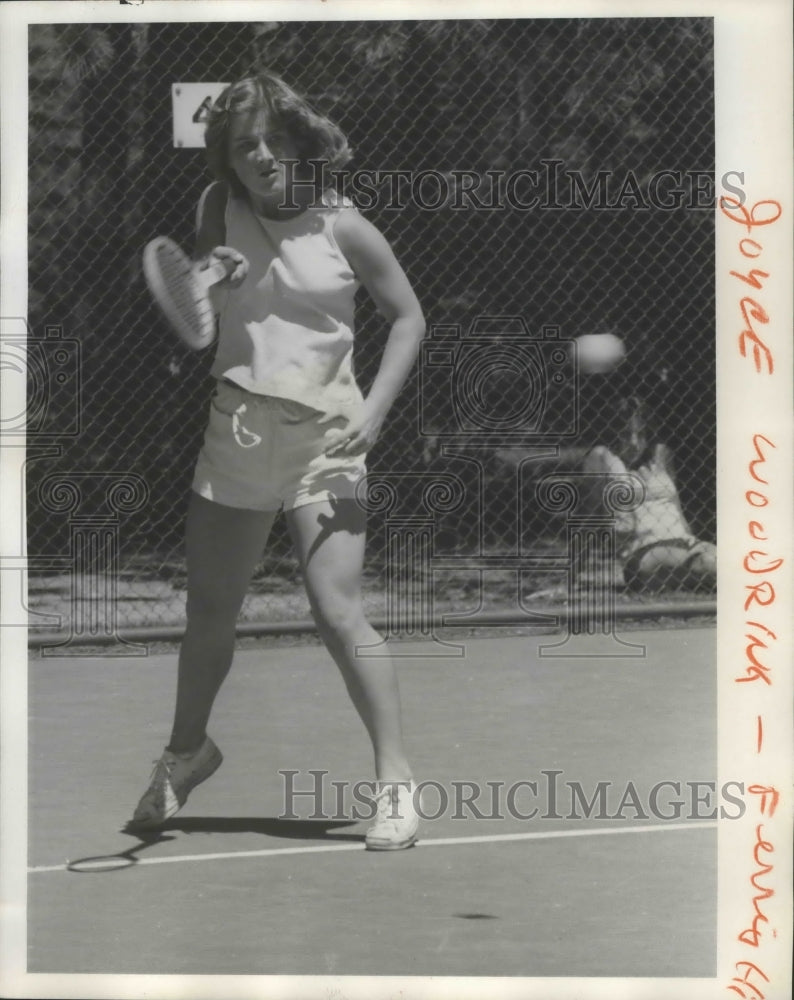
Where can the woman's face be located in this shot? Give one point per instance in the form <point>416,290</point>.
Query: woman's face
<point>259,152</point>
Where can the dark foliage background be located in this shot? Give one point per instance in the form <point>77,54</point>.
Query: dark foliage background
<point>631,95</point>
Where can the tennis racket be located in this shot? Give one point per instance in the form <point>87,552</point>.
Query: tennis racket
<point>181,289</point>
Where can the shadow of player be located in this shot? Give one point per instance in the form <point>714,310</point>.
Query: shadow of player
<point>267,826</point>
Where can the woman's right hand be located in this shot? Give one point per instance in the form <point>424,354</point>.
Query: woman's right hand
<point>237,275</point>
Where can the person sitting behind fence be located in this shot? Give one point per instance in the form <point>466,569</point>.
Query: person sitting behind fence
<point>656,545</point>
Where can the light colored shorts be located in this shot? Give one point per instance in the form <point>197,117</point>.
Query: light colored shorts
<point>264,453</point>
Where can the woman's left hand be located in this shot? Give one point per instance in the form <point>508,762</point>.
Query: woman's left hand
<point>357,437</point>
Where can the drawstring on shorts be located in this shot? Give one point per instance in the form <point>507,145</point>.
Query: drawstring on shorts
<point>243,437</point>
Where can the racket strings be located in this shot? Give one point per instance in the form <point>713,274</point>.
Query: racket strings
<point>180,292</point>
<point>182,288</point>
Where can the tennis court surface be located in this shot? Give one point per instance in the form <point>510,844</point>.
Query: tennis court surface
<point>231,886</point>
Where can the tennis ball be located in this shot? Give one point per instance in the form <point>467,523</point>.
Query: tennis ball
<point>598,353</point>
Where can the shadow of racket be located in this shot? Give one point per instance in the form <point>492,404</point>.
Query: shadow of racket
<point>102,864</point>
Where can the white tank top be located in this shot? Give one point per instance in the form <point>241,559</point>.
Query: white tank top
<point>287,331</point>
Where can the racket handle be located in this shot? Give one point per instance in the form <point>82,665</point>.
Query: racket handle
<point>215,272</point>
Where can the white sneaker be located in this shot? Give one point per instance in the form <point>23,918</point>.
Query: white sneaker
<point>396,822</point>
<point>173,778</point>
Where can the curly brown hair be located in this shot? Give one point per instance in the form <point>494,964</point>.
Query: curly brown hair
<point>316,138</point>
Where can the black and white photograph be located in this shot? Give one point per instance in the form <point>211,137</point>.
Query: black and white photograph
<point>490,695</point>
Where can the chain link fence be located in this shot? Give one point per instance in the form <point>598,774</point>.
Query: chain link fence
<point>556,181</point>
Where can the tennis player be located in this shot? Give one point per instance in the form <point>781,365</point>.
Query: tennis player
<point>288,426</point>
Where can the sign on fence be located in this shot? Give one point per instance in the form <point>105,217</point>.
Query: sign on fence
<point>191,103</point>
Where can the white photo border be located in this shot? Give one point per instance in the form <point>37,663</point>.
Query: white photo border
<point>753,84</point>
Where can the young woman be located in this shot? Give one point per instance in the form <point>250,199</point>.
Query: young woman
<point>288,428</point>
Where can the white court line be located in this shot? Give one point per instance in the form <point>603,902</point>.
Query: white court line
<point>112,859</point>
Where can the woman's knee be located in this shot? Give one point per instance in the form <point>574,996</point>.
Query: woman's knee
<point>212,604</point>
<point>337,615</point>
<point>601,460</point>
